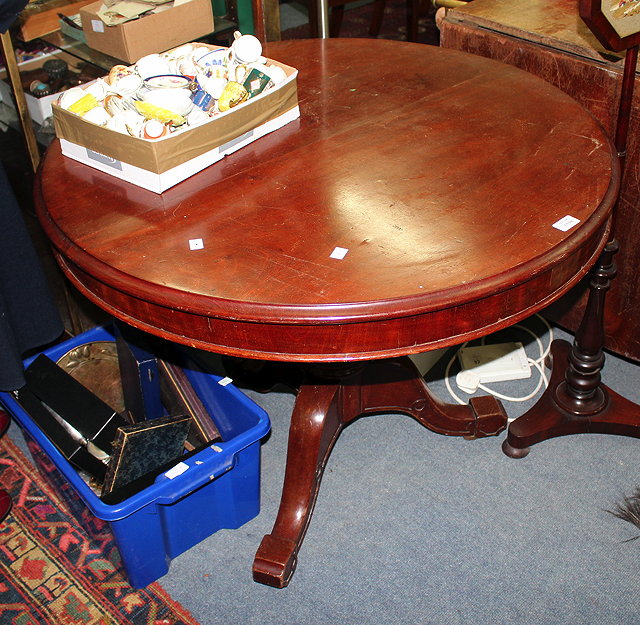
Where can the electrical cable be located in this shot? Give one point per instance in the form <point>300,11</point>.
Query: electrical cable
<point>537,363</point>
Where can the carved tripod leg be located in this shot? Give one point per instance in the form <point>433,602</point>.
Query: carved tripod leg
<point>316,423</point>
<point>544,420</point>
<point>396,385</point>
<point>574,390</point>
<point>322,409</point>
<point>547,419</point>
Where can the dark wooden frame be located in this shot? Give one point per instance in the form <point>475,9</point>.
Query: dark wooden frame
<point>603,29</point>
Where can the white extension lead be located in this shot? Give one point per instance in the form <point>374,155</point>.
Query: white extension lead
<point>512,361</point>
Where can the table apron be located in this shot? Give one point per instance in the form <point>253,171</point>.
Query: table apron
<point>339,341</point>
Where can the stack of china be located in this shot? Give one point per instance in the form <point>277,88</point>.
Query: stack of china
<point>165,93</point>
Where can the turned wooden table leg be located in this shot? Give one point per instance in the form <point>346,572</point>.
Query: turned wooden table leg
<point>576,401</point>
<point>332,396</point>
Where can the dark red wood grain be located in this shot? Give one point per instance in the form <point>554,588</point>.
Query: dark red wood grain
<point>440,172</point>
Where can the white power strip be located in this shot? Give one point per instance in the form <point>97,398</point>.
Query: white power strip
<point>491,363</point>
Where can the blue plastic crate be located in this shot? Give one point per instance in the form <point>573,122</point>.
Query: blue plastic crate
<point>220,487</point>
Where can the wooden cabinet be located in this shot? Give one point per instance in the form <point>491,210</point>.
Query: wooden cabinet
<point>548,38</point>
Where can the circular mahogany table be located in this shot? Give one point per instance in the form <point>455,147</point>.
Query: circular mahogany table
<point>441,174</point>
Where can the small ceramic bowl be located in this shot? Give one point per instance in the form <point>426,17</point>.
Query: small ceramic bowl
<point>97,115</point>
<point>70,96</point>
<point>118,123</point>
<point>275,73</point>
<point>211,85</point>
<point>117,72</point>
<point>179,52</point>
<point>114,104</point>
<point>213,58</point>
<point>98,88</point>
<point>166,81</point>
<point>175,100</point>
<point>126,85</point>
<point>153,129</point>
<point>128,123</point>
<point>197,116</point>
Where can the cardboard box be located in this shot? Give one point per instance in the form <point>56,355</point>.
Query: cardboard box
<point>160,164</point>
<point>39,108</point>
<point>153,33</point>
<point>72,32</point>
<point>41,18</point>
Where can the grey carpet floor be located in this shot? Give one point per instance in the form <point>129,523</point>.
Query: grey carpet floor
<point>414,527</point>
<point>418,528</point>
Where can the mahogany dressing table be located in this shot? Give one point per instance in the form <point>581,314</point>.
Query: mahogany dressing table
<point>425,197</point>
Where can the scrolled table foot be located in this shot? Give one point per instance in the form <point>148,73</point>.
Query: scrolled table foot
<point>490,416</point>
<point>275,561</point>
<point>334,395</point>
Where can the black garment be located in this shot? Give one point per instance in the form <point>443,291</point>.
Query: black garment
<point>28,316</point>
<point>9,10</point>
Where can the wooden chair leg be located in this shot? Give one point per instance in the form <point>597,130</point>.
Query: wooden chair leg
<point>266,20</point>
<point>313,19</point>
<point>21,104</point>
<point>376,18</point>
<point>335,20</point>
<point>413,11</point>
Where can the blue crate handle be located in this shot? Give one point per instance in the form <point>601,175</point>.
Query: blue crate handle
<point>192,480</point>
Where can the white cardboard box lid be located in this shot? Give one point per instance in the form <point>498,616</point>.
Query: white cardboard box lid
<point>161,182</point>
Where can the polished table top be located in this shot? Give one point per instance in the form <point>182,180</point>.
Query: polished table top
<point>442,175</point>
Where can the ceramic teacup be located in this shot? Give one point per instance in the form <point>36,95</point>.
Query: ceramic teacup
<point>246,49</point>
<point>174,100</point>
<point>152,65</point>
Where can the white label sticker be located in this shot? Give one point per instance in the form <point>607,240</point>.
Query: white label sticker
<point>339,253</point>
<point>225,381</point>
<point>196,244</point>
<point>566,223</point>
<point>97,26</point>
<point>179,469</point>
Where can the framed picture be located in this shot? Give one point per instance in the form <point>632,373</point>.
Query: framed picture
<point>616,23</point>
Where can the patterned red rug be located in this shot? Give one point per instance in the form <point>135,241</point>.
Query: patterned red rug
<point>356,23</point>
<point>52,573</point>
